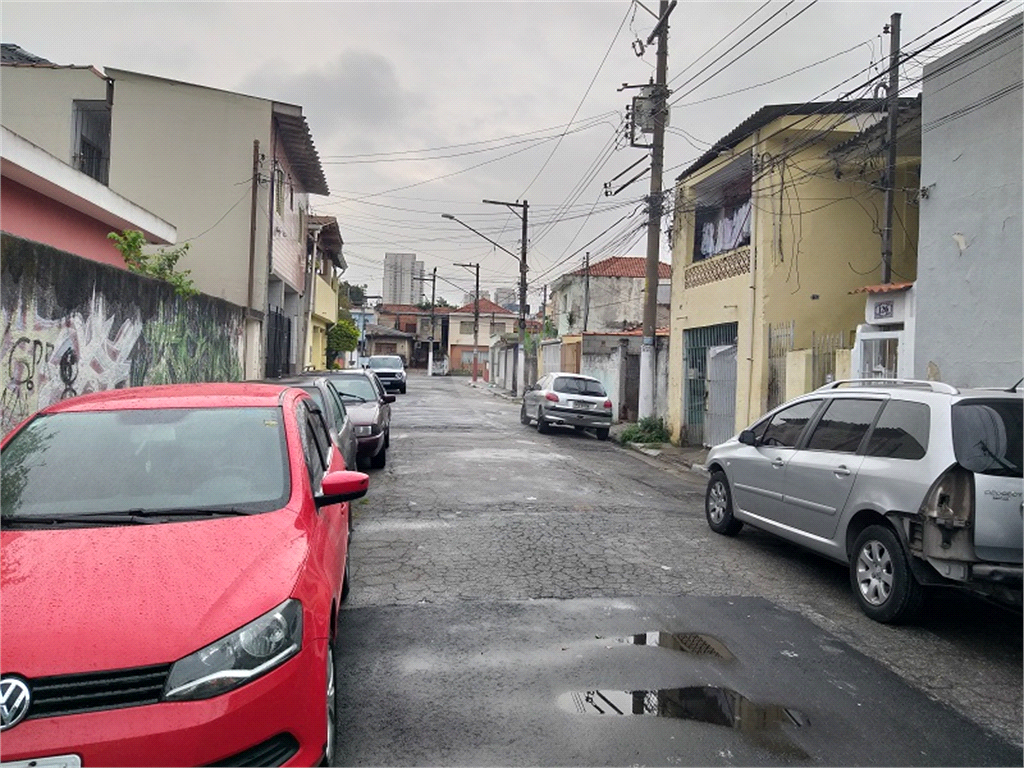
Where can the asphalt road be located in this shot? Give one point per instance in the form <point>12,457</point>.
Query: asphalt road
<point>526,599</point>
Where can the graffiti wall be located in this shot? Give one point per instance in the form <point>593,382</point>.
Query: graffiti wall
<point>73,326</point>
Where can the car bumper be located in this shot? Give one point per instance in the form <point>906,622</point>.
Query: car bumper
<point>370,445</point>
<point>392,383</point>
<point>577,418</point>
<point>229,728</point>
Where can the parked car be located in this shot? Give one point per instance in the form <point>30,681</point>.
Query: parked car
<point>390,370</point>
<point>343,431</point>
<point>568,399</point>
<point>909,483</point>
<point>369,407</point>
<point>174,559</point>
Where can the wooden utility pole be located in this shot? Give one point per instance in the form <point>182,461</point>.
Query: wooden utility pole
<point>893,94</point>
<point>654,205</point>
<point>430,337</point>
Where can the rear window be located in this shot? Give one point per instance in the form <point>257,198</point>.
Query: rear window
<point>570,385</point>
<point>988,436</point>
<point>902,431</point>
<point>151,459</point>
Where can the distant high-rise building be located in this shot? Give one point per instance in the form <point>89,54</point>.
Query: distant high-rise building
<point>403,279</point>
<point>507,298</point>
<point>470,296</point>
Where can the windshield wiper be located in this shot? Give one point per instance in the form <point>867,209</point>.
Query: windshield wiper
<point>187,512</point>
<point>119,518</point>
<point>1005,464</point>
<point>354,397</point>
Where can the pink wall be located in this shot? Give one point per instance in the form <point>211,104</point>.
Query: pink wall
<point>30,215</point>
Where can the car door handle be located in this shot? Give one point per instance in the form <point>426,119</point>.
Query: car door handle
<point>778,463</point>
<point>842,470</point>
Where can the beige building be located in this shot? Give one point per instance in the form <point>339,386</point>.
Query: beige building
<point>233,172</point>
<point>772,233</point>
<point>326,265</point>
<point>495,320</point>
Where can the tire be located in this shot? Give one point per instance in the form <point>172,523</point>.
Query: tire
<point>362,461</point>
<point>523,417</point>
<point>330,747</point>
<point>718,506</point>
<point>380,460</point>
<point>387,438</point>
<point>402,390</point>
<point>602,433</point>
<point>882,581</point>
<point>542,425</point>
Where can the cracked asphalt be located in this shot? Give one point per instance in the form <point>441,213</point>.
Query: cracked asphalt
<point>475,510</point>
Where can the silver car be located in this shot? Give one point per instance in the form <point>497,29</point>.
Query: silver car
<point>909,483</point>
<point>568,399</point>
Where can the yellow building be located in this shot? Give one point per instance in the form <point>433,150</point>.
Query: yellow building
<point>773,229</point>
<point>324,265</point>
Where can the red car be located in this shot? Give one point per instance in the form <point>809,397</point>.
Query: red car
<point>173,562</point>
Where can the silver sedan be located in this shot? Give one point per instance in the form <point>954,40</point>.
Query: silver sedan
<point>570,400</point>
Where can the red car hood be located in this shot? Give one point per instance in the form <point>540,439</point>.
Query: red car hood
<point>85,599</point>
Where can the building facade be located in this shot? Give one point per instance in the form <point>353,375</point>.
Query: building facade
<point>403,279</point>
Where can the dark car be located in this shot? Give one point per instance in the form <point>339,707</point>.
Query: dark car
<point>339,422</point>
<point>369,407</point>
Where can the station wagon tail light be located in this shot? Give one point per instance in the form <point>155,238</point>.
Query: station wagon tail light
<point>607,404</point>
<point>551,396</point>
<point>950,500</point>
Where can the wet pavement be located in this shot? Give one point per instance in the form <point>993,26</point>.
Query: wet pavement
<point>508,585</point>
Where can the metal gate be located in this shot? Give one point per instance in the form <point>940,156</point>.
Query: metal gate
<point>720,419</point>
<point>823,357</point>
<point>279,343</point>
<point>697,342</point>
<point>780,341</point>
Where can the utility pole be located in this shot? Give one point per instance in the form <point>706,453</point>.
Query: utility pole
<point>476,317</point>
<point>586,290</point>
<point>893,94</point>
<point>521,357</point>
<point>430,338</point>
<point>647,348</point>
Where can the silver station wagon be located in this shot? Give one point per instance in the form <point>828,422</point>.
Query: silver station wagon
<point>910,483</point>
<point>568,399</point>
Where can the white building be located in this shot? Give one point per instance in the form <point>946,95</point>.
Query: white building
<point>403,279</point>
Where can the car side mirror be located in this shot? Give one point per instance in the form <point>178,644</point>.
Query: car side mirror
<point>747,437</point>
<point>390,398</point>
<point>342,486</point>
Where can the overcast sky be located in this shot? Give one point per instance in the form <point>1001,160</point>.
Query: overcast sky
<point>424,108</point>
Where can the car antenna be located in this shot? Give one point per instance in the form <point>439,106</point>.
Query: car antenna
<point>1014,387</point>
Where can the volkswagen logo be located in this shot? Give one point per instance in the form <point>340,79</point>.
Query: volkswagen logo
<point>14,700</point>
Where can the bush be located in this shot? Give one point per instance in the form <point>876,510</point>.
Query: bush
<point>647,430</point>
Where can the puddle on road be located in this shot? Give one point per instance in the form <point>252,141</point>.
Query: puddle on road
<point>703,704</point>
<point>693,643</point>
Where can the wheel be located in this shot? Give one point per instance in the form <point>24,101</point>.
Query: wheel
<point>542,425</point>
<point>577,428</point>
<point>332,707</point>
<point>523,417</point>
<point>718,506</point>
<point>882,581</point>
<point>602,433</point>
<point>362,461</point>
<point>402,390</point>
<point>380,460</point>
<point>387,438</point>
<point>346,583</point>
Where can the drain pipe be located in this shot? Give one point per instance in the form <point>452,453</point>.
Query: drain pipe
<point>752,283</point>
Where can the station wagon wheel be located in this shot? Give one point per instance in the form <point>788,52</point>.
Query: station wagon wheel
<point>602,433</point>
<point>542,424</point>
<point>883,583</point>
<point>718,506</point>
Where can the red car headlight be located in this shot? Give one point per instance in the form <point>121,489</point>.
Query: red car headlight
<point>244,655</point>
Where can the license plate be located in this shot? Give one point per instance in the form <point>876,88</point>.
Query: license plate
<point>60,761</point>
<point>580,404</point>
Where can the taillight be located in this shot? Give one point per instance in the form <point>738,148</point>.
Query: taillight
<point>608,404</point>
<point>551,396</point>
<point>950,500</point>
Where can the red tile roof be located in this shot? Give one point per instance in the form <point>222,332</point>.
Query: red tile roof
<point>624,266</point>
<point>884,288</point>
<point>487,307</point>
<point>410,309</point>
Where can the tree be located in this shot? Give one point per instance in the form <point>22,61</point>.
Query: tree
<point>343,336</point>
<point>440,301</point>
<point>159,265</point>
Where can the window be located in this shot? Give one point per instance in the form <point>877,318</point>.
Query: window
<point>466,327</point>
<point>987,436</point>
<point>843,425</point>
<point>384,348</point>
<point>321,435</point>
<point>787,425</point>
<point>314,460</point>
<point>91,138</point>
<point>410,328</point>
<point>901,431</point>
<point>467,358</point>
<point>497,328</point>
<point>721,229</point>
<point>578,386</point>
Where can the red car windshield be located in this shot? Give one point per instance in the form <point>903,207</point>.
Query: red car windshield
<point>68,464</point>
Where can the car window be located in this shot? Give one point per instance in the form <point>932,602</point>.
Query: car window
<point>322,436</point>
<point>787,425</point>
<point>987,436</point>
<point>843,425</point>
<point>339,407</point>
<point>573,385</point>
<point>901,432</point>
<point>354,389</point>
<point>378,387</point>
<point>386,362</point>
<point>151,459</point>
<point>314,460</point>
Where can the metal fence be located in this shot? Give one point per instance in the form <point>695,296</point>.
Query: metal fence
<point>780,341</point>
<point>697,342</point>
<point>823,356</point>
<point>279,343</point>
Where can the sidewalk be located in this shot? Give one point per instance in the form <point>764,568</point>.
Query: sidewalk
<point>673,457</point>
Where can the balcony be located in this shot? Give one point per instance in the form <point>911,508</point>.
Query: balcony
<point>719,267</point>
<point>325,303</point>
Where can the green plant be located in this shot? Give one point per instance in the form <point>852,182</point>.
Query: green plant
<point>648,430</point>
<point>342,337</point>
<point>159,264</point>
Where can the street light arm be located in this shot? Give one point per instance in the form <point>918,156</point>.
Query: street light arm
<point>485,237</point>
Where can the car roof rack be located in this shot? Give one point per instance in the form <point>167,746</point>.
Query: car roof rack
<point>934,386</point>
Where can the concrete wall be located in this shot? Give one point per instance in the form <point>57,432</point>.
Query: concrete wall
<point>969,285</point>
<point>615,302</point>
<point>74,326</point>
